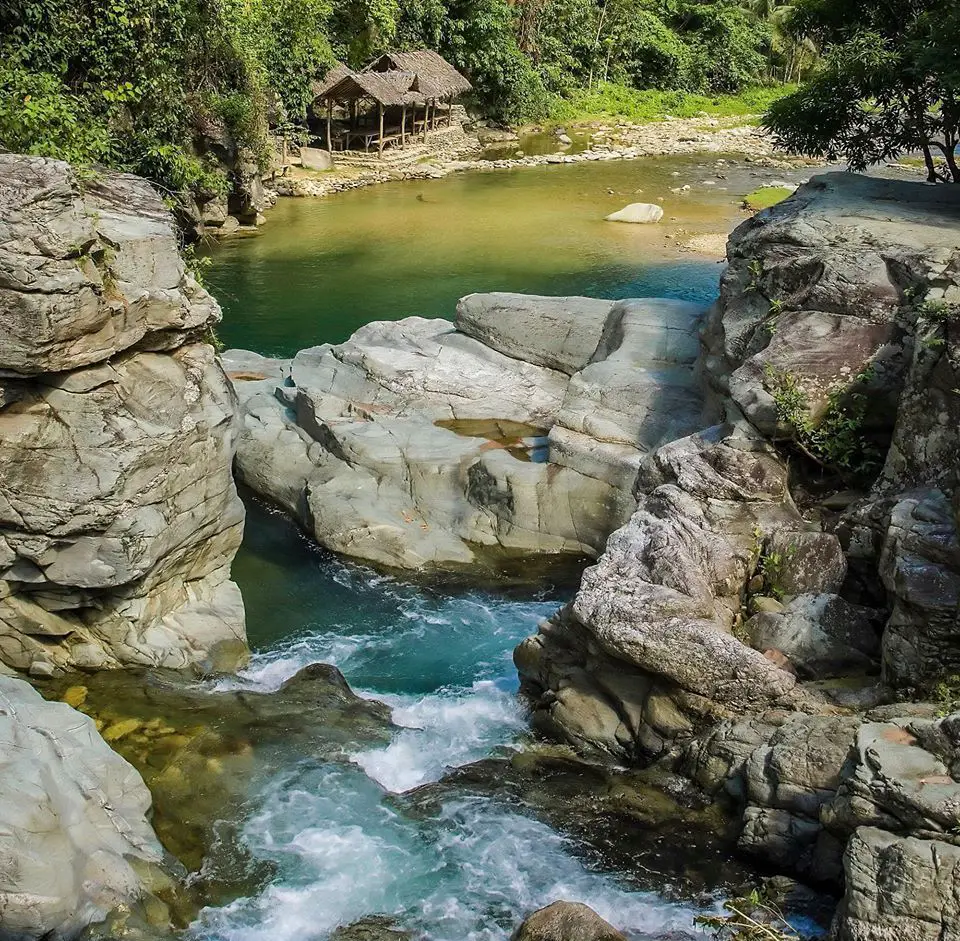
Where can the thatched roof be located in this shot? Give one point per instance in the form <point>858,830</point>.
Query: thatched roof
<point>387,88</point>
<point>437,78</point>
<point>338,72</point>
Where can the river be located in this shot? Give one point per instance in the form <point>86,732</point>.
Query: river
<point>439,654</point>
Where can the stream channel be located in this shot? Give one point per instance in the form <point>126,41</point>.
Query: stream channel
<point>460,861</point>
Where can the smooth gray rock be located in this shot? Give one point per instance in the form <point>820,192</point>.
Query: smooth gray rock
<point>414,445</point>
<point>637,388</point>
<point>74,835</point>
<point>637,213</point>
<point>557,332</point>
<point>821,635</point>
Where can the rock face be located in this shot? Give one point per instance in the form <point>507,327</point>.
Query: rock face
<point>118,514</point>
<point>795,567</point>
<point>74,838</point>
<point>518,430</point>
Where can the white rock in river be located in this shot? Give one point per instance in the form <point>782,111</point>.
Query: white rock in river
<point>637,213</point>
<point>72,819</point>
<point>517,431</point>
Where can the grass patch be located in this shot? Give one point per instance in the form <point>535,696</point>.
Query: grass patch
<point>765,197</point>
<point>608,100</point>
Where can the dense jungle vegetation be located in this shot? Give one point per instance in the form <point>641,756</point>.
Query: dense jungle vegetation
<point>135,83</point>
<point>167,88</point>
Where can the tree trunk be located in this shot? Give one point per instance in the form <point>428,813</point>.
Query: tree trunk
<point>928,161</point>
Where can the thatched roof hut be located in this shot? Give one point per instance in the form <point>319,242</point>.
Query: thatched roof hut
<point>338,72</point>
<point>403,83</point>
<point>437,78</point>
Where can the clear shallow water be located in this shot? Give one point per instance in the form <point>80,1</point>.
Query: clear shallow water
<point>441,657</point>
<point>321,268</point>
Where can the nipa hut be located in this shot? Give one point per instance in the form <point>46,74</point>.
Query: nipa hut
<point>401,95</point>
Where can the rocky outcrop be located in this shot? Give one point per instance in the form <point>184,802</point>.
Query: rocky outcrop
<point>648,643</point>
<point>518,430</point>
<point>118,514</point>
<point>74,838</point>
<point>789,571</point>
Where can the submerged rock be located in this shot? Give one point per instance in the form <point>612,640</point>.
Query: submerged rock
<point>516,432</point>
<point>566,921</point>
<point>118,510</point>
<point>372,928</point>
<point>653,826</point>
<point>74,838</point>
<point>203,751</point>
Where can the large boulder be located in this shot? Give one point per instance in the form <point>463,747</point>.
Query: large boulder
<point>817,289</point>
<point>920,568</point>
<point>74,837</point>
<point>648,642</point>
<point>821,636</point>
<point>637,213</point>
<point>418,444</point>
<point>86,273</point>
<point>119,513</point>
<point>557,332</point>
<point>566,921</point>
<point>899,888</point>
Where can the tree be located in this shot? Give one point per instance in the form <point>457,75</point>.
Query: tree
<point>888,84</point>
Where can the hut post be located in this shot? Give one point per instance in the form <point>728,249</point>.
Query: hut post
<point>380,107</point>
<point>426,119</point>
<point>403,127</point>
<point>330,125</point>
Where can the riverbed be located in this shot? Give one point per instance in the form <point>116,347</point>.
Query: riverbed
<point>341,843</point>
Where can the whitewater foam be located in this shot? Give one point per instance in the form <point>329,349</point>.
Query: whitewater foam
<point>443,731</point>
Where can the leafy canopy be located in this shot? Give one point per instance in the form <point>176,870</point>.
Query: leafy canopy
<point>889,83</point>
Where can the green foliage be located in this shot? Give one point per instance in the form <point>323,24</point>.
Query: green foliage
<point>940,312</point>
<point>945,692</point>
<point>39,116</point>
<point>836,440</point>
<point>156,86</point>
<point>889,83</point>
<point>608,100</point>
<point>753,918</point>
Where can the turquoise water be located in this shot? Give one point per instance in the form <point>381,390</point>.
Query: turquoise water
<point>440,655</point>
